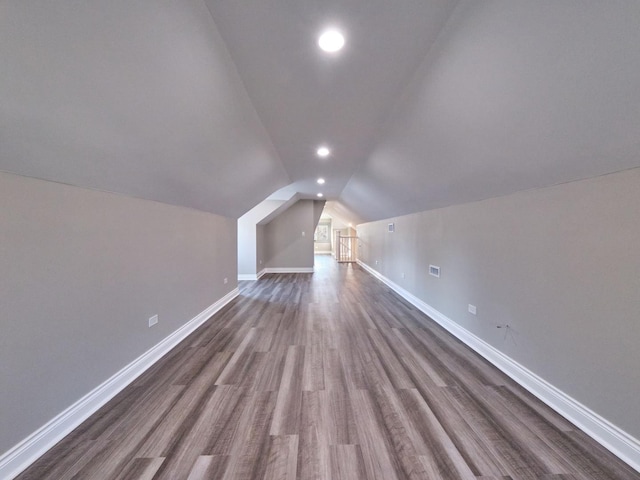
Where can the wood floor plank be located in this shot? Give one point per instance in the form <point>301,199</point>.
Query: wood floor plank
<point>282,463</point>
<point>181,417</point>
<point>114,452</point>
<point>187,445</point>
<point>286,418</point>
<point>439,454</point>
<point>325,376</point>
<point>392,364</point>
<point>250,446</point>
<point>238,364</point>
<point>209,467</point>
<point>380,460</point>
<point>142,469</point>
<point>337,418</point>
<point>514,457</point>
<point>313,370</point>
<point>347,463</point>
<point>416,361</point>
<point>313,452</point>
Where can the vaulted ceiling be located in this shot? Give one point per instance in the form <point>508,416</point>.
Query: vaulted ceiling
<point>216,104</point>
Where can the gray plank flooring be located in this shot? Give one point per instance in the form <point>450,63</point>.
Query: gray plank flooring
<point>325,376</point>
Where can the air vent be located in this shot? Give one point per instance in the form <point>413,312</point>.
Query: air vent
<point>391,227</point>
<point>435,271</point>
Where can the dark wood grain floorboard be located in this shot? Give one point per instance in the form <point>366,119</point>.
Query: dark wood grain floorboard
<point>325,376</point>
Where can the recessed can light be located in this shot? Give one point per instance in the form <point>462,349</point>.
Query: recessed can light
<point>331,41</point>
<point>323,152</point>
<point>321,181</point>
<point>320,195</point>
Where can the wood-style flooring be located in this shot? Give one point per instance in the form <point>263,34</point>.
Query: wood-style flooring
<point>325,376</point>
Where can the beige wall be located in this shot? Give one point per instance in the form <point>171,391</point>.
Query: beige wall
<point>560,265</point>
<point>81,273</point>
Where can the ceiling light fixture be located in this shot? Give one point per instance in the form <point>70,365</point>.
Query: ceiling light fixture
<point>320,195</point>
<point>321,181</point>
<point>323,152</point>
<point>331,41</point>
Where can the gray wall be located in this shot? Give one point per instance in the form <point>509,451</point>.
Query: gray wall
<point>260,248</point>
<point>560,265</point>
<point>261,214</point>
<point>246,247</point>
<point>82,271</point>
<point>284,244</point>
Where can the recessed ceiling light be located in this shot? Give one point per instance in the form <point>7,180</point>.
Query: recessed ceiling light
<point>331,41</point>
<point>321,181</point>
<point>323,152</point>
<point>320,195</point>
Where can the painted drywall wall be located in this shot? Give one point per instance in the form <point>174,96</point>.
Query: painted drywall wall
<point>82,271</point>
<point>318,207</point>
<point>560,265</point>
<point>247,248</point>
<point>261,214</point>
<point>288,239</point>
<point>260,249</point>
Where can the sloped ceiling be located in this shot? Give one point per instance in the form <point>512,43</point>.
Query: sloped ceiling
<point>215,104</point>
<point>514,95</point>
<point>138,97</point>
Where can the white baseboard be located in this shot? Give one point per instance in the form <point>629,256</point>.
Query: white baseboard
<point>289,270</point>
<point>35,445</point>
<point>617,441</point>
<point>247,276</point>
<point>251,276</point>
<point>322,253</point>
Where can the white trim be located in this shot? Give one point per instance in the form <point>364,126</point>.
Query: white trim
<point>247,276</point>
<point>614,439</point>
<point>18,458</point>
<point>251,276</point>
<point>289,270</point>
<point>434,271</point>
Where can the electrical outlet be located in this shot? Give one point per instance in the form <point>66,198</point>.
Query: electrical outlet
<point>303,234</point>
<point>225,280</point>
<point>472,309</point>
<point>376,262</point>
<point>153,320</point>
<point>402,274</point>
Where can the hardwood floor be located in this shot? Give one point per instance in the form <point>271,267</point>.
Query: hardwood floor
<point>325,376</point>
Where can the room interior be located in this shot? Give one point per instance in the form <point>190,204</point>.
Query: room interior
<point>154,154</point>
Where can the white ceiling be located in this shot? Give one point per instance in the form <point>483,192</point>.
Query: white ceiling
<point>215,105</point>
